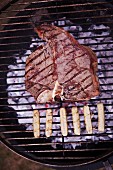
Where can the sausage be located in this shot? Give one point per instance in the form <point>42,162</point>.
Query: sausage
<point>49,117</point>
<point>63,121</point>
<point>36,123</point>
<point>87,118</point>
<point>76,120</point>
<point>101,117</point>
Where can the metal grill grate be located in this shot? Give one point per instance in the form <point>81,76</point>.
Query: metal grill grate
<point>16,35</point>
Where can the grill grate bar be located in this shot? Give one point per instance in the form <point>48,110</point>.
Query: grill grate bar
<point>34,144</point>
<point>87,44</point>
<point>30,48</point>
<point>23,69</point>
<point>26,96</point>
<point>22,76</point>
<point>100,70</point>
<point>51,20</point>
<point>26,104</point>
<point>30,35</point>
<point>31,103</point>
<point>59,136</point>
<point>19,16</point>
<point>20,69</point>
<point>15,84</point>
<point>54,13</point>
<point>16,118</point>
<point>35,35</point>
<point>99,57</point>
<point>82,24</point>
<point>26,110</point>
<point>38,144</point>
<point>2,124</point>
<point>46,1</point>
<point>33,138</point>
<point>43,130</point>
<point>16,30</point>
<point>1,85</point>
<point>17,23</point>
<point>80,150</point>
<point>57,6</point>
<point>29,117</point>
<point>8,64</point>
<point>23,90</point>
<point>109,84</point>
<point>60,157</point>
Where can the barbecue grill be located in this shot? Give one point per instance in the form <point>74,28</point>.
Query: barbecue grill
<point>91,23</point>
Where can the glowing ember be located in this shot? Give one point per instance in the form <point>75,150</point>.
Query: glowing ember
<point>103,48</point>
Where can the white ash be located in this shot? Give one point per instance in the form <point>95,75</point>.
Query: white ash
<point>27,102</point>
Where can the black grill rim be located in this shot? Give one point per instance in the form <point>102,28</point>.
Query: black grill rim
<point>43,162</point>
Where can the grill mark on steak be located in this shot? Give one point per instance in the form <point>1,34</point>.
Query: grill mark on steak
<point>56,37</point>
<point>87,81</point>
<point>68,66</point>
<point>85,78</point>
<point>76,94</point>
<point>37,72</point>
<point>29,62</point>
<point>70,70</point>
<point>83,73</point>
<point>72,52</point>
<point>45,31</point>
<point>79,83</point>
<point>53,36</point>
<point>88,86</point>
<point>35,91</point>
<point>45,77</point>
<point>36,56</point>
<point>65,46</point>
<point>81,91</point>
<point>69,63</point>
<point>74,76</point>
<point>33,84</point>
<point>82,88</point>
<point>80,56</point>
<point>36,64</point>
<point>60,53</point>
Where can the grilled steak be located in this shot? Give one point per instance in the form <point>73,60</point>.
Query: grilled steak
<point>62,69</point>
<point>39,72</point>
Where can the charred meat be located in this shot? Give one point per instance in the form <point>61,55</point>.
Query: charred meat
<point>62,69</point>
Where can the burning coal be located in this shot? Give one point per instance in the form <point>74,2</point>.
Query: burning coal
<point>100,40</point>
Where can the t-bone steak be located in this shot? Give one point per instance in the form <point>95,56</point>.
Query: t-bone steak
<point>61,69</point>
